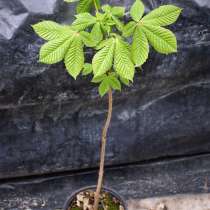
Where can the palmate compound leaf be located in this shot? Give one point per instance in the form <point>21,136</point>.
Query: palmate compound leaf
<point>50,30</point>
<point>137,10</point>
<point>54,50</point>
<point>103,59</point>
<point>162,16</point>
<point>139,47</point>
<point>149,29</point>
<point>122,60</point>
<point>162,40</point>
<point>74,58</point>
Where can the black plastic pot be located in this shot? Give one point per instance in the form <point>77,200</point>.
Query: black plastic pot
<point>111,191</point>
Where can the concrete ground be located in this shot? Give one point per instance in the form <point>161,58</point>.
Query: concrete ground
<point>177,202</point>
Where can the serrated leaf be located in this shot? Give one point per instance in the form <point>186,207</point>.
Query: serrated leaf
<point>137,10</point>
<point>96,32</point>
<point>114,82</point>
<point>118,11</point>
<point>102,61</point>
<point>99,78</point>
<point>102,44</point>
<point>122,61</point>
<point>163,40</point>
<point>88,39</point>
<point>74,58</point>
<point>83,21</point>
<point>139,47</point>
<point>84,6</point>
<point>54,50</point>
<point>162,16</point>
<point>50,30</point>
<point>129,28</point>
<point>118,23</point>
<point>87,69</point>
<point>103,88</point>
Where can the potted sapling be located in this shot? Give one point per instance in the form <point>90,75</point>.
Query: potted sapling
<point>119,49</point>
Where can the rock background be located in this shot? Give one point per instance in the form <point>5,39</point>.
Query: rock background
<point>50,123</point>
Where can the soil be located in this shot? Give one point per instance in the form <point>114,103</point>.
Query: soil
<point>85,200</point>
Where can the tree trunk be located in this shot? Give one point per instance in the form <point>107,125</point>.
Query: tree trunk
<point>103,151</point>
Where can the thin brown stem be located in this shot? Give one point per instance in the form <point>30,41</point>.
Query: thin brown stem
<point>103,151</point>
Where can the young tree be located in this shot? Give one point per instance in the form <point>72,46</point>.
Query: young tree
<point>120,48</point>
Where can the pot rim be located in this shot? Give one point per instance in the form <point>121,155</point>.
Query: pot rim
<point>91,187</point>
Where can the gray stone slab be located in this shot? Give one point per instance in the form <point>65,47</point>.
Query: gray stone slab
<point>179,176</point>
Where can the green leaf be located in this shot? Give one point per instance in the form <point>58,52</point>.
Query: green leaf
<point>129,29</point>
<point>54,50</point>
<point>162,16</point>
<point>87,69</point>
<point>163,40</point>
<point>104,87</point>
<point>96,33</point>
<point>50,30</point>
<point>74,58</point>
<point>139,47</point>
<point>109,21</point>
<point>118,23</point>
<point>125,81</point>
<point>84,6</point>
<point>106,8</point>
<point>88,39</point>
<point>106,28</point>
<point>102,61</point>
<point>102,44</point>
<point>122,60</point>
<point>83,21</point>
<point>114,82</point>
<point>137,10</point>
<point>118,11</point>
<point>99,78</point>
